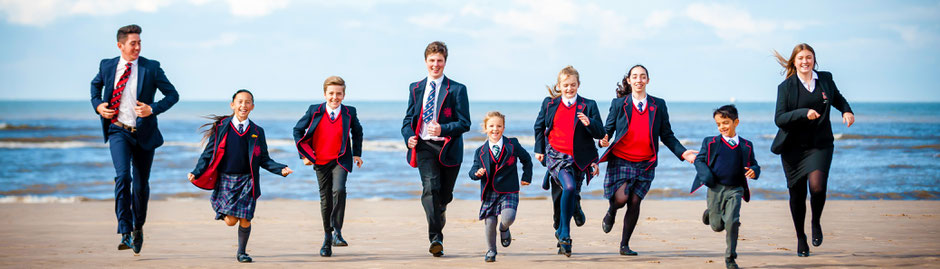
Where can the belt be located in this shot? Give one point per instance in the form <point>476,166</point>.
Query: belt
<point>128,128</point>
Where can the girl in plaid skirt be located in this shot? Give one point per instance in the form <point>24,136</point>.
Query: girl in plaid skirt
<point>229,166</point>
<point>494,165</point>
<point>640,121</point>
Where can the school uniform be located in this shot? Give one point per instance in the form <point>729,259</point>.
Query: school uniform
<point>322,136</point>
<point>806,145</point>
<point>720,166</point>
<point>437,158</point>
<point>639,125</point>
<point>499,186</point>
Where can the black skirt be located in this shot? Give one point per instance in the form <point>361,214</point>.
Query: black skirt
<point>799,163</point>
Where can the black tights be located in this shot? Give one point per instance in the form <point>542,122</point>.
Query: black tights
<point>632,202</point>
<point>817,189</point>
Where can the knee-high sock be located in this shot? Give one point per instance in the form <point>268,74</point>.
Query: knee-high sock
<point>630,218</point>
<point>490,232</point>
<point>243,234</point>
<point>567,203</point>
<point>508,217</point>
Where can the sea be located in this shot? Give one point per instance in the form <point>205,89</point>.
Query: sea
<point>53,151</point>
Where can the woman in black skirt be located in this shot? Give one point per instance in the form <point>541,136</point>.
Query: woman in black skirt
<point>804,140</point>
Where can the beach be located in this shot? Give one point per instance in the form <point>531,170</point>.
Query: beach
<point>392,234</point>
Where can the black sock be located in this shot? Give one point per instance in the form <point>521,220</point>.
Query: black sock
<point>243,234</point>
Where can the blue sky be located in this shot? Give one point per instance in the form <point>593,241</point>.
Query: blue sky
<point>502,50</point>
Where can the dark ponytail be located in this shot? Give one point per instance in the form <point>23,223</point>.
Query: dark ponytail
<point>623,87</point>
<point>216,119</point>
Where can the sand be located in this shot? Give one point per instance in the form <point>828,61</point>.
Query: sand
<point>392,234</point>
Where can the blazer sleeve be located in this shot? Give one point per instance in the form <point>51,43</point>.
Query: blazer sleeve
<point>97,84</point>
<point>703,174</point>
<point>785,118</point>
<point>356,129</point>
<point>266,162</point>
<point>666,135</point>
<point>206,157</point>
<point>754,165</point>
<point>170,96</point>
<point>526,161</point>
<point>540,128</point>
<point>301,127</point>
<point>410,112</point>
<point>462,108</point>
<point>596,128</point>
<point>838,101</point>
<point>476,165</point>
<point>610,126</point>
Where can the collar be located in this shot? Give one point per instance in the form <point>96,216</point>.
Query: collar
<point>815,76</point>
<point>636,102</point>
<point>334,111</point>
<point>498,143</point>
<point>236,122</point>
<point>729,139</point>
<point>437,81</point>
<point>122,62</point>
<point>567,101</point>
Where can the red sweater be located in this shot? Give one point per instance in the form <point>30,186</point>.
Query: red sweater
<point>327,139</point>
<point>635,146</point>
<point>561,137</point>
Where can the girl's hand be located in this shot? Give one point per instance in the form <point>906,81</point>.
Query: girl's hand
<point>540,157</point>
<point>358,161</point>
<point>689,155</point>
<point>749,173</point>
<point>191,177</point>
<point>525,183</point>
<point>307,161</point>
<point>480,172</point>
<point>812,114</point>
<point>595,170</point>
<point>286,171</point>
<point>848,118</point>
<point>412,142</point>
<point>584,119</point>
<point>604,142</point>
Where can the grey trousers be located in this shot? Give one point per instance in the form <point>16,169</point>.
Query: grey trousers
<point>724,213</point>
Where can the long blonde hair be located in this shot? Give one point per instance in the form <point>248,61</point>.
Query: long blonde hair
<point>553,91</point>
<point>788,64</point>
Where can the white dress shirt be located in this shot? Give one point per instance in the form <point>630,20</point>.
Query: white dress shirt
<point>235,123</point>
<point>810,85</point>
<point>569,102</point>
<point>498,143</point>
<point>731,139</point>
<point>427,91</point>
<point>636,103</point>
<point>335,111</point>
<point>126,114</point>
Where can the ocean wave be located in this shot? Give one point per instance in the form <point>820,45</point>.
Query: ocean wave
<point>7,126</point>
<point>32,199</point>
<point>51,145</point>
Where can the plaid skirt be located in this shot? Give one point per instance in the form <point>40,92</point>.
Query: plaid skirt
<point>232,196</point>
<point>558,161</point>
<point>494,203</point>
<point>637,175</point>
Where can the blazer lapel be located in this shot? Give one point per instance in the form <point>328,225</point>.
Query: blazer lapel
<point>440,97</point>
<point>141,70</point>
<point>487,157</point>
<point>346,122</point>
<point>550,113</point>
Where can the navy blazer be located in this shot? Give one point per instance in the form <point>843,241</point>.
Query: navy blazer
<point>618,120</point>
<point>705,160</point>
<point>501,180</point>
<point>585,153</point>
<point>150,78</point>
<point>207,167</point>
<point>789,118</point>
<point>453,116</point>
<point>303,134</point>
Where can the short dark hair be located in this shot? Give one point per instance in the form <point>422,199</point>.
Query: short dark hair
<point>436,47</point>
<point>727,111</point>
<point>126,30</point>
<point>241,91</point>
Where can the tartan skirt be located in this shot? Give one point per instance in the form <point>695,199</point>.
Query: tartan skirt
<point>637,175</point>
<point>494,203</point>
<point>232,196</point>
<point>558,161</point>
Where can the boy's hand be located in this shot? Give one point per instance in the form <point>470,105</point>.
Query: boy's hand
<point>357,161</point>
<point>595,170</point>
<point>525,183</point>
<point>286,171</point>
<point>434,129</point>
<point>191,177</point>
<point>307,161</point>
<point>604,142</point>
<point>412,142</point>
<point>848,118</point>
<point>540,157</point>
<point>104,111</point>
<point>812,114</point>
<point>143,110</point>
<point>749,173</point>
<point>689,155</point>
<point>480,172</point>
<point>584,119</point>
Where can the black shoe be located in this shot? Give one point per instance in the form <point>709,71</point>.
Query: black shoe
<point>564,247</point>
<point>490,256</point>
<point>338,240</point>
<point>243,257</point>
<point>138,237</point>
<point>579,218</point>
<point>437,248</point>
<point>625,250</point>
<point>327,249</point>
<point>126,242</point>
<point>802,249</point>
<point>817,235</point>
<point>505,238</point>
<point>705,217</point>
<point>730,264</point>
<point>608,223</point>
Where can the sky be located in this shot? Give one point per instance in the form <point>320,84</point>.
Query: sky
<point>502,50</point>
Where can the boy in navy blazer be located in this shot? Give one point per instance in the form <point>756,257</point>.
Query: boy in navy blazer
<point>322,136</point>
<point>437,116</point>
<point>122,93</point>
<point>724,164</point>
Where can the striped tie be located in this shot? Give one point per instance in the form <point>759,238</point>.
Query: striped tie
<point>429,106</point>
<point>496,149</point>
<point>119,90</point>
<point>732,143</point>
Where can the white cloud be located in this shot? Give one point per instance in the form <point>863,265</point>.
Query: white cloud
<point>729,22</point>
<point>255,8</point>
<point>223,39</point>
<point>42,12</point>
<point>658,18</point>
<point>914,35</point>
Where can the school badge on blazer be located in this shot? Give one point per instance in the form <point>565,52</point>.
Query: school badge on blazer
<point>446,112</point>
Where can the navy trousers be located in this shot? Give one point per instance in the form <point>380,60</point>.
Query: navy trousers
<point>437,182</point>
<point>132,181</point>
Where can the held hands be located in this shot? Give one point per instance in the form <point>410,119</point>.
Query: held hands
<point>689,155</point>
<point>749,173</point>
<point>540,157</point>
<point>143,110</point>
<point>286,171</point>
<point>584,119</point>
<point>480,172</point>
<point>307,161</point>
<point>357,161</point>
<point>812,114</point>
<point>604,142</point>
<point>434,128</point>
<point>848,118</point>
<point>595,170</point>
<point>104,111</point>
<point>412,141</point>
